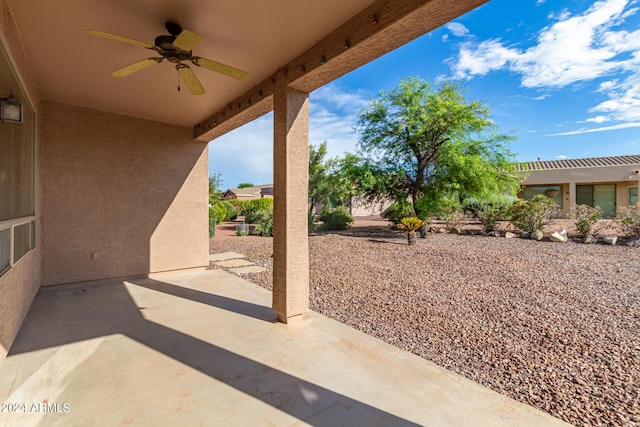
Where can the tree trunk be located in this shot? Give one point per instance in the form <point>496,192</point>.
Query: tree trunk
<point>423,231</point>
<point>411,237</point>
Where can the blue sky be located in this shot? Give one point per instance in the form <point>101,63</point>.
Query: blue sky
<point>563,77</point>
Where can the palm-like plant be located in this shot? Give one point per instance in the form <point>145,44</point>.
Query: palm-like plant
<point>410,225</point>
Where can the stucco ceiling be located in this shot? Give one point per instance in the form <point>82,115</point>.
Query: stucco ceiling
<point>257,36</point>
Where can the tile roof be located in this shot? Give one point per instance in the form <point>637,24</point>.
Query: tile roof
<point>580,163</point>
<point>250,191</point>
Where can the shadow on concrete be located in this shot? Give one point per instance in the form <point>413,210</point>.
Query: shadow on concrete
<point>71,314</point>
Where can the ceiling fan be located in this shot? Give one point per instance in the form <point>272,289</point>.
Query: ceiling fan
<point>175,47</point>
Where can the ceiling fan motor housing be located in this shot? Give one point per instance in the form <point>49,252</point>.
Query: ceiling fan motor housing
<point>169,51</point>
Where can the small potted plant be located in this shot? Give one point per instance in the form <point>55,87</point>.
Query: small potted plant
<point>410,225</point>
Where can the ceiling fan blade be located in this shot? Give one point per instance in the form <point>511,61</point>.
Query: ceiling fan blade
<point>136,66</point>
<point>187,40</point>
<point>189,78</point>
<point>220,68</point>
<point>119,38</point>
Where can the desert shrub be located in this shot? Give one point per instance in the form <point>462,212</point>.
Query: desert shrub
<point>629,217</point>
<point>213,220</point>
<point>587,219</point>
<point>453,219</point>
<point>532,215</point>
<point>221,212</point>
<point>311,221</point>
<point>236,204</point>
<point>253,209</point>
<point>489,211</point>
<point>263,220</point>
<point>335,219</point>
<point>397,211</point>
<point>232,212</point>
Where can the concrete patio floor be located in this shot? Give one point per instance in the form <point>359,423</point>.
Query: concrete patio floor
<point>204,348</point>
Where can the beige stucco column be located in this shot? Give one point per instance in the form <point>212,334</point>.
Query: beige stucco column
<point>572,195</point>
<point>291,176</point>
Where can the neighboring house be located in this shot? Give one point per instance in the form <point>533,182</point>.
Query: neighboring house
<point>608,182</point>
<point>249,193</point>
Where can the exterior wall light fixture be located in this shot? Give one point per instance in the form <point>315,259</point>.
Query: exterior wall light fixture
<point>10,109</point>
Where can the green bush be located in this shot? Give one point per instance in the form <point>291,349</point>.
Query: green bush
<point>335,219</point>
<point>221,212</point>
<point>252,209</point>
<point>264,223</point>
<point>232,212</point>
<point>532,215</point>
<point>397,211</point>
<point>587,219</point>
<point>213,220</point>
<point>489,211</point>
<point>236,204</point>
<point>629,216</point>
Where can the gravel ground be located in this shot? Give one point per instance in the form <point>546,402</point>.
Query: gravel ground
<point>553,325</point>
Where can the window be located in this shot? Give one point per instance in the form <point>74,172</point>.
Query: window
<point>553,191</point>
<point>17,176</point>
<point>603,195</point>
<point>633,196</point>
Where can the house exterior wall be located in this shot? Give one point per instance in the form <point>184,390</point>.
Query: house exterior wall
<point>19,285</point>
<point>122,196</point>
<point>624,177</point>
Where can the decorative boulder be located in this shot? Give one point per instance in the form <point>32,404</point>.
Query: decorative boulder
<point>525,235</point>
<point>510,235</point>
<point>494,233</point>
<point>589,239</point>
<point>559,236</point>
<point>537,235</point>
<point>610,240</point>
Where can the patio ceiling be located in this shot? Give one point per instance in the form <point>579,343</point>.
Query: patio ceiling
<point>254,35</point>
<point>257,36</point>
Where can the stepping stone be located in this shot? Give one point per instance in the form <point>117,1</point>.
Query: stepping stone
<point>248,269</point>
<point>234,263</point>
<point>223,256</point>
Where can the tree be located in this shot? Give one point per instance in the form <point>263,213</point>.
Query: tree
<point>215,191</point>
<point>245,185</point>
<point>429,144</point>
<point>320,187</point>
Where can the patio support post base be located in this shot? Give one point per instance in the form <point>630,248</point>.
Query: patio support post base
<point>290,228</point>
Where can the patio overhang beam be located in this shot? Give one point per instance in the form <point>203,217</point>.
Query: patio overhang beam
<point>378,29</point>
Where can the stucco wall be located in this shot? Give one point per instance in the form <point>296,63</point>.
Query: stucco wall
<point>122,196</point>
<point>623,177</point>
<point>19,285</point>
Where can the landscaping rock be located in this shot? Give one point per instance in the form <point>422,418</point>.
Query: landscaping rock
<point>441,230</point>
<point>553,326</point>
<point>634,242</point>
<point>559,236</point>
<point>494,233</point>
<point>525,235</point>
<point>610,240</point>
<point>590,239</point>
<point>472,232</point>
<point>510,235</point>
<point>537,235</point>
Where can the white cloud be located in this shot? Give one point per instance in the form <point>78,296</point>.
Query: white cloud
<point>597,119</point>
<point>573,49</point>
<point>541,97</point>
<point>457,29</point>
<point>601,129</point>
<point>561,156</point>
<point>539,2</point>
